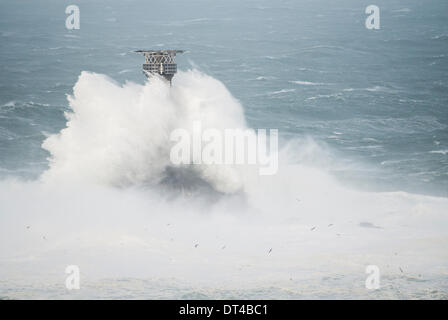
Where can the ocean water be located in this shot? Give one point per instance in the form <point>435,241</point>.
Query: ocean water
<point>85,176</point>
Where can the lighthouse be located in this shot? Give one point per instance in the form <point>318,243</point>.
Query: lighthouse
<point>161,62</point>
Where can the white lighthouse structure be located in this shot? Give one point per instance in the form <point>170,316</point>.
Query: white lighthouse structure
<point>161,62</point>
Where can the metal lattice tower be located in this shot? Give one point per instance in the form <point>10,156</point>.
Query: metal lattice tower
<point>161,62</point>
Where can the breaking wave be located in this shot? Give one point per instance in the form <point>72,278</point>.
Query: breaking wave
<point>120,135</point>
<point>103,206</point>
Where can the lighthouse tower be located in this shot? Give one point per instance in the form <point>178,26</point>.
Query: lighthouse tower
<point>161,62</point>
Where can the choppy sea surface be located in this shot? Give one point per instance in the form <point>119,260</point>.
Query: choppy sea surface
<point>363,174</point>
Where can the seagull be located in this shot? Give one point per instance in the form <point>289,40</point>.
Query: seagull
<point>270,250</point>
